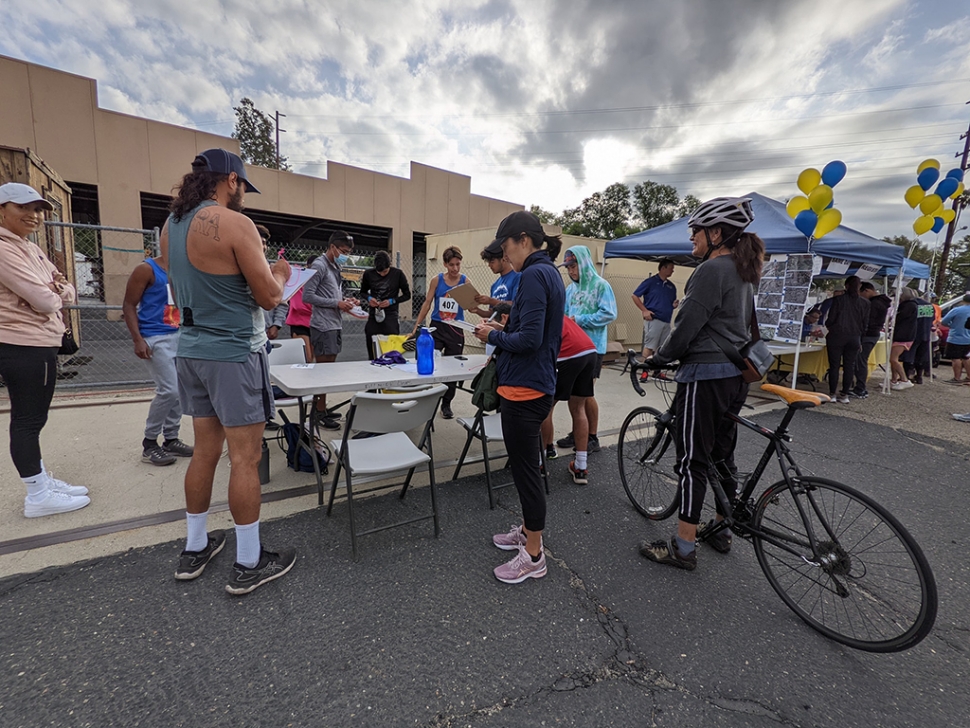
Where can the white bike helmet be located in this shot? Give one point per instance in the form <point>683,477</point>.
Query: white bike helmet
<point>732,211</point>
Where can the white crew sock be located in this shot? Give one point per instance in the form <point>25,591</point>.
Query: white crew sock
<point>36,485</point>
<point>197,538</point>
<point>581,460</point>
<point>247,544</point>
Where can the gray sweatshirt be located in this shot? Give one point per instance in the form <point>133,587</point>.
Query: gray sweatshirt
<point>715,297</point>
<point>323,292</point>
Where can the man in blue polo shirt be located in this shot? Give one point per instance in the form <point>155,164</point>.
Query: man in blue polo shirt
<point>656,298</point>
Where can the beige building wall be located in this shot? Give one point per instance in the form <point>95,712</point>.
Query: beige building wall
<point>56,115</point>
<point>623,275</point>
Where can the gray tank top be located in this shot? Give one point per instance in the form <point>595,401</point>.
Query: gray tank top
<point>220,319</point>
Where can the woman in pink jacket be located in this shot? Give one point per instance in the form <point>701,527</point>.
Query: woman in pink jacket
<point>32,293</point>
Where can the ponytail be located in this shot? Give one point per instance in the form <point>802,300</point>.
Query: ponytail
<point>553,245</point>
<point>749,255</point>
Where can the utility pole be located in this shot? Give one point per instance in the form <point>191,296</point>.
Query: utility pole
<point>278,130</point>
<point>951,228</point>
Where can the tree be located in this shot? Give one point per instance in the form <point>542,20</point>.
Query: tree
<point>687,205</point>
<point>546,217</point>
<point>654,204</point>
<point>256,134</point>
<point>603,214</point>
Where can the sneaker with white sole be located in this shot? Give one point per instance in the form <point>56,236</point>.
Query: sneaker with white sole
<point>155,455</point>
<point>665,552</point>
<point>899,386</point>
<point>192,563</point>
<point>271,566</point>
<point>843,398</point>
<point>520,568</point>
<point>53,502</point>
<point>580,477</point>
<point>178,448</point>
<point>62,487</point>
<point>962,418</point>
<point>511,541</point>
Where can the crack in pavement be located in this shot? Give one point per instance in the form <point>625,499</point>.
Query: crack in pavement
<point>625,663</point>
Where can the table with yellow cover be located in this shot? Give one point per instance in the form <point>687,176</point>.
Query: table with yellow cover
<point>814,358</point>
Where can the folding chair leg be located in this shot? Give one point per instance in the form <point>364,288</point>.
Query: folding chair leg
<point>350,508</point>
<point>333,486</point>
<point>407,482</point>
<point>461,460</point>
<point>434,498</point>
<point>488,472</point>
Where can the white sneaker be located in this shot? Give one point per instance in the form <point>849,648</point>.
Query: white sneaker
<point>53,502</point>
<point>899,386</point>
<point>962,418</point>
<point>61,487</point>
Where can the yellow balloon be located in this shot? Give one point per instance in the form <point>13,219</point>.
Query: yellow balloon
<point>923,224</point>
<point>809,179</point>
<point>926,164</point>
<point>797,204</point>
<point>914,195</point>
<point>819,198</point>
<point>929,204</point>
<point>828,220</point>
<point>959,191</point>
<point>948,216</point>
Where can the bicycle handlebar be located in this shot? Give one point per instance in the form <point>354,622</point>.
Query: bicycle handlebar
<point>659,371</point>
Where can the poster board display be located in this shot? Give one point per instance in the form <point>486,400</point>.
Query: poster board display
<point>783,296</point>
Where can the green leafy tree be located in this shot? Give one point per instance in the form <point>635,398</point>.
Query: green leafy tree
<point>687,205</point>
<point>654,204</point>
<point>603,214</point>
<point>546,217</point>
<point>256,133</point>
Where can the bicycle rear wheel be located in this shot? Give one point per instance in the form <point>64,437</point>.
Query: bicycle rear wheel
<point>868,587</point>
<point>646,456</point>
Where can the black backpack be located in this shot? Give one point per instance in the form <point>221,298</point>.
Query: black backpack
<point>297,458</point>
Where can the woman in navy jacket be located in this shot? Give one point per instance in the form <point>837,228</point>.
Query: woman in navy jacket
<point>526,352</point>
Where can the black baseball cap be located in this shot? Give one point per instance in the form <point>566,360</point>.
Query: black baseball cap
<point>221,161</point>
<point>514,225</point>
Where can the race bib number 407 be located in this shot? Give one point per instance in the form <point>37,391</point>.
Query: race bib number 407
<point>448,308</point>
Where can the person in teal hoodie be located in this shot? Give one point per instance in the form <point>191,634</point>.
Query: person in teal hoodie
<point>591,304</point>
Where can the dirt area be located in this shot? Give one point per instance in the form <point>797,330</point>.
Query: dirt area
<point>924,410</point>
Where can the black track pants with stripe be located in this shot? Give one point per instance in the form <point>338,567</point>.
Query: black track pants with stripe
<point>706,438</point>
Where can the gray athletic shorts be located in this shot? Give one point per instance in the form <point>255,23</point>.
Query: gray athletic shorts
<point>655,332</point>
<point>326,343</point>
<point>237,393</point>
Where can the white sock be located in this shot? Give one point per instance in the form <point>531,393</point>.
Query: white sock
<point>197,538</point>
<point>36,484</point>
<point>581,460</point>
<point>247,544</point>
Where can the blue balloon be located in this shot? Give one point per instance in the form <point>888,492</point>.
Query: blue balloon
<point>806,221</point>
<point>956,174</point>
<point>830,205</point>
<point>833,172</point>
<point>938,224</point>
<point>947,187</point>
<point>927,178</point>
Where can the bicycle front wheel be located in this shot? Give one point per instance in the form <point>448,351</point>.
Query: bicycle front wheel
<point>646,456</point>
<point>866,585</point>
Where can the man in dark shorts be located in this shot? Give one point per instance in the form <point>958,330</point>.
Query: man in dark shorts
<point>324,292</point>
<point>576,368</point>
<point>222,284</point>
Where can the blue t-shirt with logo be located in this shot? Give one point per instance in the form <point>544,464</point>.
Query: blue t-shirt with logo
<point>658,296</point>
<point>505,286</point>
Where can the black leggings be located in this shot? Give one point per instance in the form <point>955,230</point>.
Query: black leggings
<point>30,373</point>
<point>842,352</point>
<point>451,341</point>
<point>520,430</point>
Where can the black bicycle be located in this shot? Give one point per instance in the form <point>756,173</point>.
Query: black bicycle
<point>837,558</point>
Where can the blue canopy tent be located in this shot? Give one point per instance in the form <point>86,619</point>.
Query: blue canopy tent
<point>772,224</point>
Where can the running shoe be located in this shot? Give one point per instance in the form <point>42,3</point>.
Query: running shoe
<point>580,477</point>
<point>178,448</point>
<point>720,541</point>
<point>665,552</point>
<point>155,455</point>
<point>520,568</point>
<point>192,563</point>
<point>514,539</point>
<point>271,566</point>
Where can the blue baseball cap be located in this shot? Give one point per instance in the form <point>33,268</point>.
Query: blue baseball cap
<point>221,161</point>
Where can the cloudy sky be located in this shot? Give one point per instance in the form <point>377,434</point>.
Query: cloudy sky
<point>545,102</point>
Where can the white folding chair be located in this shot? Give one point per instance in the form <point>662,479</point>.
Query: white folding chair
<point>486,429</point>
<point>287,351</point>
<point>390,416</point>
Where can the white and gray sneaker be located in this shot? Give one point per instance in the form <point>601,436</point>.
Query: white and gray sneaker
<point>53,502</point>
<point>62,487</point>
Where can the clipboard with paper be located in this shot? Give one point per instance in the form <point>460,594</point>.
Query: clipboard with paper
<point>298,278</point>
<point>465,295</point>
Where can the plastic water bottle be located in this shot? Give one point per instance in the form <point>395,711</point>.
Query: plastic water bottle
<point>379,315</point>
<point>425,352</point>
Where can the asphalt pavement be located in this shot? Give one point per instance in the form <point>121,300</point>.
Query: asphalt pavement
<point>418,632</point>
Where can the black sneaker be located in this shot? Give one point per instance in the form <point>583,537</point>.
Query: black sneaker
<point>858,395</point>
<point>720,541</point>
<point>157,456</point>
<point>665,552</point>
<point>593,445</point>
<point>328,423</point>
<point>551,453</point>
<point>567,441</point>
<point>446,411</point>
<point>271,566</point>
<point>192,563</point>
<point>178,448</point>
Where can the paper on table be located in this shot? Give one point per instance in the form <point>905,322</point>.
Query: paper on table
<point>298,278</point>
<point>411,367</point>
<point>465,325</point>
<point>465,295</point>
<point>302,366</point>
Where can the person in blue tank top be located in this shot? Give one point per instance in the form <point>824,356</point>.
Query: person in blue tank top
<point>153,321</point>
<point>222,285</point>
<point>450,340</point>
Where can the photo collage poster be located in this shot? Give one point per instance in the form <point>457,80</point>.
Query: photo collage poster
<point>783,295</point>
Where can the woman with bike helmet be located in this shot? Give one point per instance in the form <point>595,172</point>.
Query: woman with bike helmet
<point>716,312</point>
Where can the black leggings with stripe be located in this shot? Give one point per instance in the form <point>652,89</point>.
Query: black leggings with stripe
<point>706,438</point>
